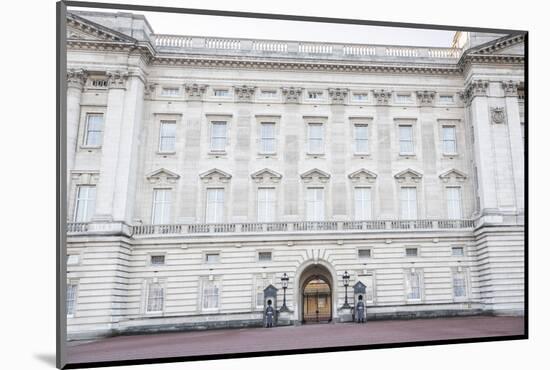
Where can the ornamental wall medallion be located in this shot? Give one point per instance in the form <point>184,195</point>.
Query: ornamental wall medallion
<point>498,115</point>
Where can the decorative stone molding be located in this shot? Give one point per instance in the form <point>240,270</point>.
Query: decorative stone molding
<point>292,94</point>
<point>425,97</point>
<point>162,175</point>
<point>149,90</point>
<point>80,177</point>
<point>338,95</point>
<point>116,79</point>
<point>266,175</point>
<point>498,115</point>
<point>363,175</point>
<point>315,175</point>
<point>453,174</point>
<point>195,91</point>
<point>408,175</point>
<point>215,175</point>
<point>76,78</point>
<point>510,88</point>
<point>473,89</point>
<point>382,96</point>
<point>244,93</point>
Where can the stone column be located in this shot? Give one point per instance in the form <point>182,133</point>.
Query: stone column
<point>476,97</point>
<point>111,148</point>
<point>75,83</point>
<point>516,145</point>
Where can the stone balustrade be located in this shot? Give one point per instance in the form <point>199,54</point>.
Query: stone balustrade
<point>282,227</point>
<point>298,49</point>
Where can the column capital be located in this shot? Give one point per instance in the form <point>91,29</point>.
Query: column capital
<point>291,94</point>
<point>473,89</point>
<point>195,91</point>
<point>338,95</point>
<point>244,93</point>
<point>76,78</point>
<point>426,97</point>
<point>382,96</point>
<point>116,79</point>
<point>510,88</point>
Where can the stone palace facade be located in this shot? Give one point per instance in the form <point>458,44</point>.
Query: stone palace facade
<point>201,170</point>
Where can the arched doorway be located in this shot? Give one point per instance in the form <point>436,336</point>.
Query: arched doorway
<point>316,290</point>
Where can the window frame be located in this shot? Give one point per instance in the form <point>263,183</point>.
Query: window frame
<point>412,139</point>
<point>417,254</point>
<point>444,151</point>
<point>367,127</point>
<point>77,200</point>
<point>359,249</point>
<point>151,256</point>
<point>212,253</point>
<point>162,123</point>
<point>177,89</point>
<point>370,210</point>
<point>221,218</point>
<point>259,260</point>
<point>418,273</point>
<point>154,203</point>
<point>216,282</point>
<point>459,201</point>
<point>401,214</point>
<point>457,247</point>
<point>271,203</point>
<point>86,133</point>
<point>75,299</point>
<point>464,273</point>
<point>148,285</point>
<point>322,190</point>
<point>213,123</point>
<point>322,138</point>
<point>261,139</point>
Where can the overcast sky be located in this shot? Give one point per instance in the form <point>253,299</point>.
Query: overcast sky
<point>201,25</point>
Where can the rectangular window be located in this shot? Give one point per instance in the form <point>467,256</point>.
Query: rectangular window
<point>218,136</point>
<point>315,138</point>
<point>412,285</point>
<point>167,141</point>
<point>221,92</point>
<point>361,97</point>
<point>157,260</point>
<point>447,99</point>
<point>403,98</point>
<point>269,93</point>
<point>315,94</point>
<point>454,202</point>
<point>155,297</point>
<point>361,138</point>
<point>162,199</point>
<point>212,257</point>
<point>457,251</point>
<point>459,284</point>
<point>406,139</point>
<point>94,129</point>
<point>408,203</point>
<point>71,298</point>
<point>264,256</point>
<point>411,252</point>
<point>170,91</point>
<point>266,204</point>
<point>449,139</point>
<point>73,259</point>
<point>315,208</point>
<point>267,137</point>
<point>364,253</point>
<point>363,209</point>
<point>214,205</point>
<point>85,203</point>
<point>210,295</point>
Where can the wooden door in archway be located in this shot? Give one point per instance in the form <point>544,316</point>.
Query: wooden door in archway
<point>317,301</point>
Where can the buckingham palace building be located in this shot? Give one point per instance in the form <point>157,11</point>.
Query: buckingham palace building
<point>203,170</point>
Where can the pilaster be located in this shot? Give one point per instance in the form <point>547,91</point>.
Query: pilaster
<point>75,82</point>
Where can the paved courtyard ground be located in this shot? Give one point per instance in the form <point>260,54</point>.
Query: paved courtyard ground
<point>292,337</point>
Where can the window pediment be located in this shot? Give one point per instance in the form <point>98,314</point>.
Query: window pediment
<point>85,177</point>
<point>408,175</point>
<point>162,175</point>
<point>453,174</point>
<point>363,175</point>
<point>215,175</point>
<point>266,175</point>
<point>315,175</point>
